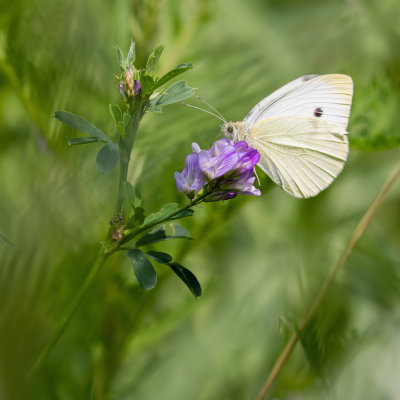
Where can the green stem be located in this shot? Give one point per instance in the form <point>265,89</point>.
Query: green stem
<point>131,234</point>
<point>100,259</point>
<point>355,237</point>
<point>125,148</point>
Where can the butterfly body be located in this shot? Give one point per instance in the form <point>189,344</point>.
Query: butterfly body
<point>300,132</point>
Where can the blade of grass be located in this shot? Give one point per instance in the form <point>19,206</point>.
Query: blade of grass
<point>355,237</point>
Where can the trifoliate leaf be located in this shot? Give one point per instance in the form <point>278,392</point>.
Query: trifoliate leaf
<point>144,271</point>
<point>108,156</point>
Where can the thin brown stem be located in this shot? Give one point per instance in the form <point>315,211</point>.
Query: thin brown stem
<point>355,237</point>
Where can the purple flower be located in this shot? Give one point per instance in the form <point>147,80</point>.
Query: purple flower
<point>242,185</point>
<point>191,180</point>
<point>249,157</point>
<point>121,88</point>
<point>136,87</point>
<point>228,168</point>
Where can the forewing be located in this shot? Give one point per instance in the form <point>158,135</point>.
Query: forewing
<point>303,155</point>
<point>327,97</point>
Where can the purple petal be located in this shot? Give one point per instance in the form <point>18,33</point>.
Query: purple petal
<point>204,159</point>
<point>196,148</point>
<point>220,195</point>
<point>136,87</point>
<point>191,180</point>
<point>219,165</point>
<point>180,181</point>
<point>241,146</point>
<point>121,88</point>
<point>248,161</point>
<point>219,146</point>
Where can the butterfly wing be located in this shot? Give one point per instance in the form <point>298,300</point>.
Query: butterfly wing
<point>301,154</point>
<point>327,97</point>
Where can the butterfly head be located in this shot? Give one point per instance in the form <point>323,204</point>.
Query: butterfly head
<point>233,131</point>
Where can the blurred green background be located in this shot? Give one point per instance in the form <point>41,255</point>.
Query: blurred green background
<point>260,260</point>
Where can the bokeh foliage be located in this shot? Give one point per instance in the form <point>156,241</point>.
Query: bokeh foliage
<point>259,260</point>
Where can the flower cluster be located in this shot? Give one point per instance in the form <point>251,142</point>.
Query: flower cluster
<point>221,173</point>
<point>132,85</point>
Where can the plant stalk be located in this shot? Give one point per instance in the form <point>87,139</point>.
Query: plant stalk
<point>100,259</point>
<point>354,239</point>
<point>125,148</point>
<point>131,234</point>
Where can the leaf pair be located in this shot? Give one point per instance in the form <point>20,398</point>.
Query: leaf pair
<point>108,156</point>
<point>147,276</point>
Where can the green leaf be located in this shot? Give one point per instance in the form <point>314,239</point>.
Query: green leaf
<point>167,209</point>
<point>187,277</point>
<point>82,140</point>
<point>77,122</point>
<point>121,61</point>
<point>130,58</point>
<point>146,83</point>
<point>186,213</point>
<point>164,232</point>
<point>160,257</point>
<point>154,109</point>
<point>6,242</point>
<point>175,93</point>
<point>144,271</point>
<point>179,69</point>
<point>116,113</point>
<point>152,237</point>
<point>108,156</point>
<point>153,59</point>
<point>175,230</point>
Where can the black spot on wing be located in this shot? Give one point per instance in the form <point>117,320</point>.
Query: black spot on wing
<point>318,112</point>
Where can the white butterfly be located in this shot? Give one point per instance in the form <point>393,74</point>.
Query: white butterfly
<point>300,132</point>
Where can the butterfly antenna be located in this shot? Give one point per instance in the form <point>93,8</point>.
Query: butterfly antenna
<point>202,109</point>
<point>212,108</point>
<point>258,180</point>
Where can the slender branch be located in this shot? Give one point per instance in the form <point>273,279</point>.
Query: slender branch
<point>101,257</point>
<point>355,237</point>
<point>131,234</point>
